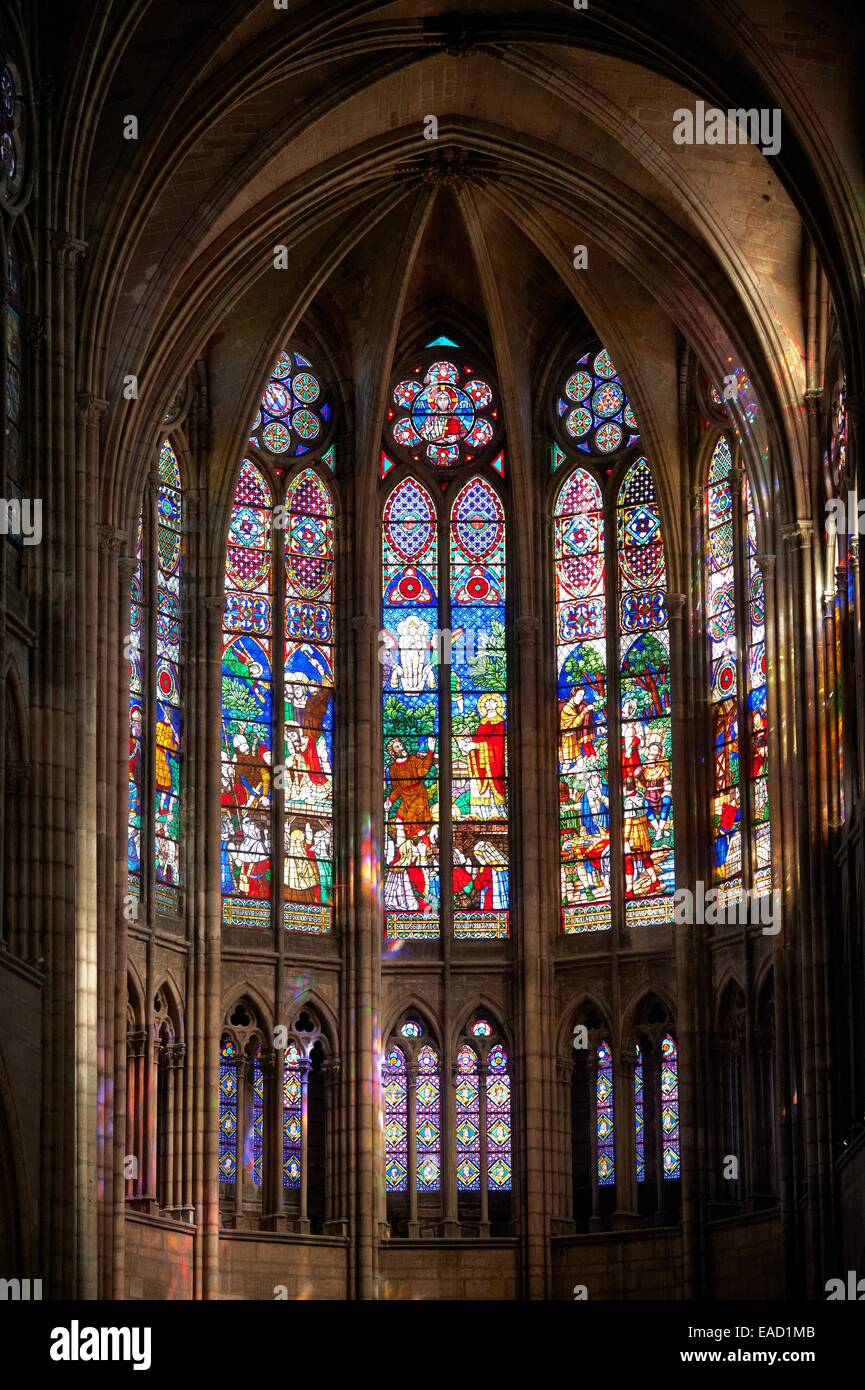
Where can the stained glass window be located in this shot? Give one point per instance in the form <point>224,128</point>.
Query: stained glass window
<point>670,1108</point>
<point>498,1120</point>
<point>9,137</point>
<point>639,1130</point>
<point>581,646</point>
<point>468,1121</point>
<point>598,531</point>
<point>155,649</point>
<point>228,1063</point>
<point>292,1116</point>
<point>604,1117</point>
<point>247,705</point>
<point>280,623</point>
<point>137,625</point>
<point>593,412</point>
<point>428,1112</point>
<point>736,638</point>
<point>410,712</point>
<point>254,1148</point>
<point>395,1081</point>
<point>644,677</point>
<point>308,872</point>
<point>758,713</point>
<point>479,802</point>
<point>169,723</point>
<point>724,668</point>
<point>442,413</point>
<point>293,416</point>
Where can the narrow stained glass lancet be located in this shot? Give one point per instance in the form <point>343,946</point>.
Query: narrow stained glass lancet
<point>395,1081</point>
<point>479,801</point>
<point>410,712</point>
<point>428,1110</point>
<point>581,646</point>
<point>758,714</point>
<point>247,706</point>
<point>309,560</point>
<point>639,1132</point>
<point>645,703</point>
<point>604,1117</point>
<point>292,1117</point>
<point>724,671</point>
<point>169,720</point>
<point>137,628</point>
<point>228,1063</point>
<point>670,1108</point>
<point>468,1121</point>
<point>498,1120</point>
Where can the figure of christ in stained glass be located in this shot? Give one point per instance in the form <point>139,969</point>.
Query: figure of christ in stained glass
<point>308,752</point>
<point>247,706</point>
<point>410,712</point>
<point>584,808</point>
<point>646,734</point>
<point>479,713</point>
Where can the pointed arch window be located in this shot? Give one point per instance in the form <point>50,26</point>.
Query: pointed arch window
<point>484,1164</point>
<point>155,648</point>
<point>735,622</point>
<point>656,1113</point>
<point>278,666</point>
<point>411,1088</point>
<point>444,667</point>
<point>613,664</point>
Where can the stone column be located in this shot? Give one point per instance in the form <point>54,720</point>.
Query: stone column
<point>625,1215</point>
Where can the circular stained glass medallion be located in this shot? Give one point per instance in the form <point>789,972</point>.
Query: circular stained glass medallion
<point>443,413</point>
<point>592,411</point>
<point>294,414</point>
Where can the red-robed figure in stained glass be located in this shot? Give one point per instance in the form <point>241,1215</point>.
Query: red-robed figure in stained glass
<point>486,759</point>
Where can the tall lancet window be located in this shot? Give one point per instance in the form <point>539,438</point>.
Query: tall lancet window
<point>644,701</point>
<point>444,666</point>
<point>736,632</point>
<point>155,649</point>
<point>278,666</point>
<point>612,661</point>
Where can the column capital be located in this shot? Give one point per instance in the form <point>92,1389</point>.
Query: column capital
<point>766,564</point>
<point>69,251</point>
<point>90,408</point>
<point>799,535</point>
<point>364,626</point>
<point>527,629</point>
<point>853,552</point>
<point>676,605</point>
<point>111,539</point>
<point>135,1043</point>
